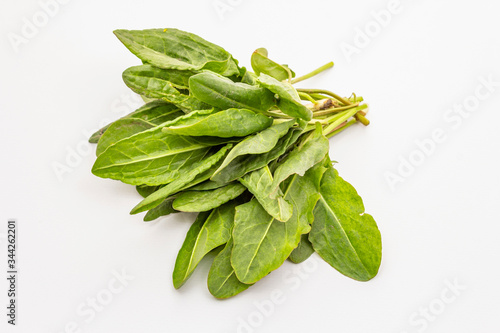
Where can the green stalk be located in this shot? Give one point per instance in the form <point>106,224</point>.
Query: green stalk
<point>333,110</point>
<point>313,73</point>
<point>325,122</point>
<point>306,97</point>
<point>277,114</point>
<point>318,96</point>
<point>362,119</point>
<point>326,92</point>
<point>338,130</point>
<point>343,117</point>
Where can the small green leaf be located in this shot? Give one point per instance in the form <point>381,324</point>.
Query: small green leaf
<point>259,183</point>
<point>225,124</point>
<point>243,164</point>
<point>209,231</point>
<point>259,143</point>
<point>342,233</point>
<point>223,93</point>
<point>303,251</point>
<point>289,100</point>
<point>163,209</point>
<point>222,281</point>
<point>207,186</point>
<point>248,77</point>
<point>301,158</point>
<point>166,84</point>
<point>177,49</point>
<point>200,201</point>
<point>145,190</point>
<point>262,64</point>
<point>178,79</point>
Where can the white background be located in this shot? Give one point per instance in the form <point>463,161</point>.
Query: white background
<point>439,225</point>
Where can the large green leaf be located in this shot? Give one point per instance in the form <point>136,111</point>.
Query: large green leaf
<point>223,93</point>
<point>259,143</point>
<point>243,164</point>
<point>121,129</point>
<point>155,112</point>
<point>289,100</point>
<point>177,49</point>
<point>192,175</point>
<point>342,233</point>
<point>225,124</point>
<point>163,84</point>
<point>259,183</point>
<point>301,158</point>
<point>200,201</point>
<point>262,64</point>
<point>203,237</point>
<point>262,243</point>
<point>305,249</point>
<point>222,281</point>
<point>151,157</point>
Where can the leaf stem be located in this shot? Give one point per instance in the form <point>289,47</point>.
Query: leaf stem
<point>362,119</point>
<point>289,73</point>
<point>340,118</point>
<point>307,97</point>
<point>318,96</point>
<point>341,128</point>
<point>277,114</point>
<point>326,92</point>
<point>313,73</point>
<point>333,110</point>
